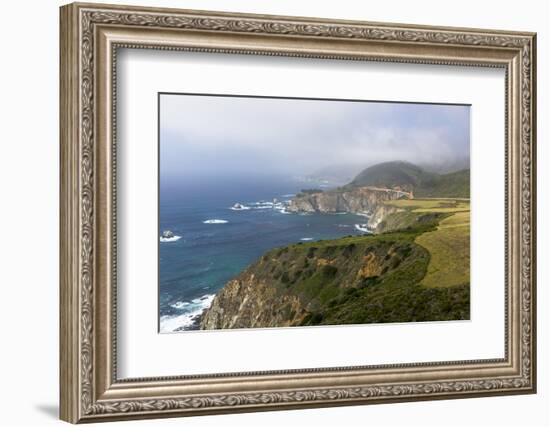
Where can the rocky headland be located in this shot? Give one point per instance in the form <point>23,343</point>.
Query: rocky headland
<point>367,201</point>
<point>357,279</point>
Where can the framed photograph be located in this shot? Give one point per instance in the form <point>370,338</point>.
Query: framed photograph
<point>266,212</point>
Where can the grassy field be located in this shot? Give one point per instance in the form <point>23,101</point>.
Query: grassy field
<point>376,278</point>
<point>448,245</point>
<point>431,205</point>
<point>448,242</point>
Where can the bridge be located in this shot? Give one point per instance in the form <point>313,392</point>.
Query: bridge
<point>401,193</point>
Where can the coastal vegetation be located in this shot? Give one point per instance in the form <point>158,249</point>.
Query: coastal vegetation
<point>411,177</point>
<point>448,244</point>
<point>414,267</point>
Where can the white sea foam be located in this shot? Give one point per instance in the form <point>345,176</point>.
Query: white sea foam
<point>365,214</point>
<point>241,208</point>
<point>363,228</point>
<point>182,321</point>
<point>215,221</point>
<point>169,239</point>
<point>306,239</point>
<point>174,323</point>
<point>204,300</point>
<point>180,304</point>
<point>281,207</point>
<point>262,205</point>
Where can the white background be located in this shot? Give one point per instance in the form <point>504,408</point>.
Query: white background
<point>29,216</point>
<point>144,353</point>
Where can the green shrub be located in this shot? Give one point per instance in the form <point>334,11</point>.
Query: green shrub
<point>329,271</point>
<point>285,277</point>
<point>316,319</point>
<point>311,252</point>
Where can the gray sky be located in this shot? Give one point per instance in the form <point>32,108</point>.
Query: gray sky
<point>227,135</point>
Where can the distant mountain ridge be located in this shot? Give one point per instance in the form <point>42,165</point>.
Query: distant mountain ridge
<point>344,173</point>
<point>409,177</point>
<point>369,191</point>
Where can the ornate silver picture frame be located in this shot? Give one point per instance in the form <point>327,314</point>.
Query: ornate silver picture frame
<point>91,35</point>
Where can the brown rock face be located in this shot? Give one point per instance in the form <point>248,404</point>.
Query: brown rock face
<point>359,200</point>
<point>246,302</point>
<point>294,285</point>
<point>354,200</point>
<point>380,213</point>
<point>371,267</point>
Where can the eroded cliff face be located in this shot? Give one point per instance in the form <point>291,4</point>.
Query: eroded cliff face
<point>381,212</point>
<point>247,302</point>
<point>296,285</point>
<point>359,200</point>
<point>353,200</point>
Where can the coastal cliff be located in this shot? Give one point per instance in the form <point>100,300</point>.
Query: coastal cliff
<point>367,193</point>
<point>367,201</point>
<point>359,279</point>
<point>415,267</point>
<point>249,302</point>
<point>358,200</point>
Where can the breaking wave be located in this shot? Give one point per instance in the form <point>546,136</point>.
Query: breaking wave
<point>169,239</point>
<point>191,310</point>
<point>363,228</point>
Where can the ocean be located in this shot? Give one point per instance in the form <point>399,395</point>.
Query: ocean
<point>214,240</point>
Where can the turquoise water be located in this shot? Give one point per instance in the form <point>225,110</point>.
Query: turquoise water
<point>216,242</point>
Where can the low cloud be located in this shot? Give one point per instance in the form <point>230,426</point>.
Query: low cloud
<point>206,134</point>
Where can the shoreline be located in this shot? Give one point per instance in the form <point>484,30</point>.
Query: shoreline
<point>195,323</point>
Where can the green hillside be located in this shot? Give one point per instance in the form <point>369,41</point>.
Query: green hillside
<point>391,174</point>
<point>417,269</point>
<point>456,184</point>
<point>411,177</point>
